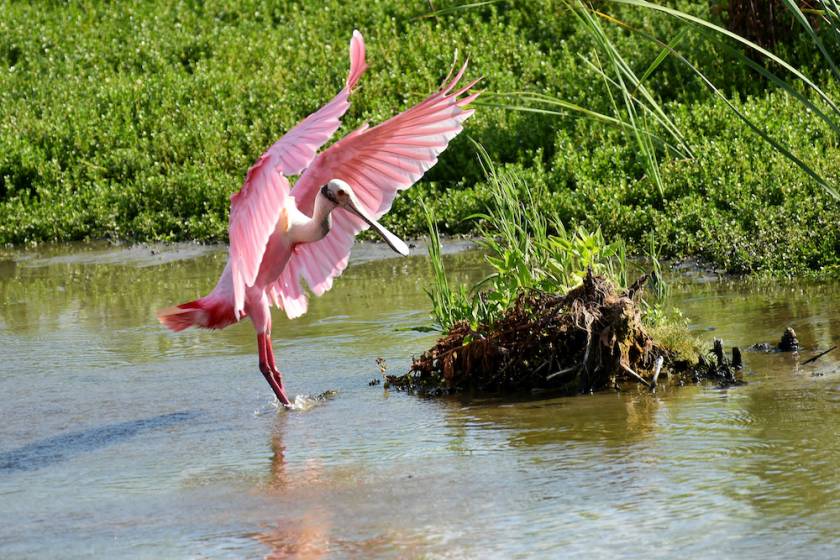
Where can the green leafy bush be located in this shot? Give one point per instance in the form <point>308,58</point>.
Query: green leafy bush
<point>138,120</point>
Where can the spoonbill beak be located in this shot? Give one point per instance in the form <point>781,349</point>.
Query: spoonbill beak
<point>395,242</point>
<point>353,205</point>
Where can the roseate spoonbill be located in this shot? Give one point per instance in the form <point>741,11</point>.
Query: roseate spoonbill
<point>281,235</point>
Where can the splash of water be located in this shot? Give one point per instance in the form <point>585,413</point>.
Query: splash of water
<point>306,402</point>
<point>301,403</point>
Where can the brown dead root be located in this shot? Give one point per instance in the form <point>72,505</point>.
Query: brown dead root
<point>588,339</point>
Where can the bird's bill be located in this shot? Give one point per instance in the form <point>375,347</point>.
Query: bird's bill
<point>395,242</point>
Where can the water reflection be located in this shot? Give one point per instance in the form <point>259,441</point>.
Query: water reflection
<point>749,311</point>
<point>307,534</point>
<point>311,501</point>
<point>606,418</point>
<point>795,449</point>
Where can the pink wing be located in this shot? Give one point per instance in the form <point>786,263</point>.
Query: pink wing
<point>255,209</point>
<point>377,163</point>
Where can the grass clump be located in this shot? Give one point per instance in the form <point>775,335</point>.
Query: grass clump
<point>527,249</point>
<point>556,312</point>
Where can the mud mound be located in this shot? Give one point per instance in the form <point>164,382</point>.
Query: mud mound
<point>588,339</point>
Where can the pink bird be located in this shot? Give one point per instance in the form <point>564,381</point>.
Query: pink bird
<point>280,235</point>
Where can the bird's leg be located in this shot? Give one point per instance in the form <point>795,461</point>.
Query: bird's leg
<point>268,369</point>
<point>269,352</point>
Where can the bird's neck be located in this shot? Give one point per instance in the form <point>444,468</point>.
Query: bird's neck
<point>319,226</point>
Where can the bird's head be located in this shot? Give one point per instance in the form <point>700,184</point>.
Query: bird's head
<point>341,194</point>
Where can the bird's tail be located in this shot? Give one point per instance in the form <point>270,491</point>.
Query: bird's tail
<point>207,313</point>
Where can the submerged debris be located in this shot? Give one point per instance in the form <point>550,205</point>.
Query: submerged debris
<point>383,367</point>
<point>788,343</point>
<point>721,369</point>
<point>818,356</point>
<point>588,339</point>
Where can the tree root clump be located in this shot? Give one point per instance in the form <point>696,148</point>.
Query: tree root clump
<point>588,339</point>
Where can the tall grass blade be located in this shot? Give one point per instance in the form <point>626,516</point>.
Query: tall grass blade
<point>439,292</point>
<point>723,31</point>
<point>626,71</point>
<point>552,101</point>
<point>622,70</point>
<point>789,89</point>
<point>754,127</point>
<point>684,151</point>
<point>663,54</point>
<point>793,7</point>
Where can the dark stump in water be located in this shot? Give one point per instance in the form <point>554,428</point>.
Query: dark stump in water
<point>588,339</point>
<point>789,342</point>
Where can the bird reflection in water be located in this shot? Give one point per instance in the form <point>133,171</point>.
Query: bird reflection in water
<point>308,535</point>
<point>312,500</point>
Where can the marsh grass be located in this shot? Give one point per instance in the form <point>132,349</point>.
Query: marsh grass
<point>642,115</point>
<point>638,113</point>
<point>449,306</point>
<point>528,250</point>
<point>635,109</point>
<point>829,13</point>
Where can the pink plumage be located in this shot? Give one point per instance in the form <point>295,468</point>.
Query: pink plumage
<point>281,236</point>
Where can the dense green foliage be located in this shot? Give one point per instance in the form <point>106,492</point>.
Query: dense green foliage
<point>138,120</point>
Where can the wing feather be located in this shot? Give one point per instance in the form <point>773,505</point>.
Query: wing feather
<point>254,212</point>
<point>296,149</point>
<point>255,209</point>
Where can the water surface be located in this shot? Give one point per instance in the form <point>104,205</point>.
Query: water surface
<point>120,439</point>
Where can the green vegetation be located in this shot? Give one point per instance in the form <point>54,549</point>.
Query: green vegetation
<point>138,120</point>
<point>556,313</point>
<point>525,256</point>
<point>531,253</point>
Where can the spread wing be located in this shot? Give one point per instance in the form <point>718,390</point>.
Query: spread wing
<point>377,163</point>
<point>255,209</point>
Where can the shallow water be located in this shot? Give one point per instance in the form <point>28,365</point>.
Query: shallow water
<point>119,439</point>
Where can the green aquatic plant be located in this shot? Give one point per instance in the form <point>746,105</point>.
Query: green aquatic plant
<point>670,329</point>
<point>527,250</point>
<point>449,306</point>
